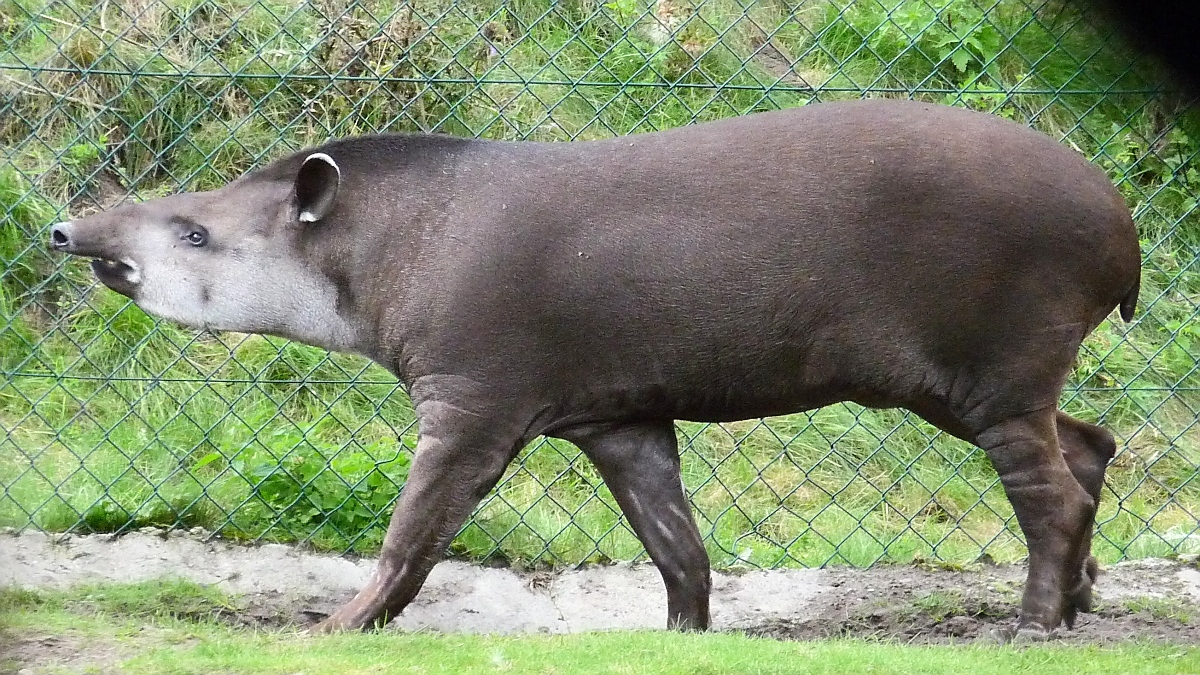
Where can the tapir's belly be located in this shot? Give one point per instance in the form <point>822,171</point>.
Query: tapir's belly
<point>714,367</point>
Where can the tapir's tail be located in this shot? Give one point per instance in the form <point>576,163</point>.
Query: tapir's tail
<point>1129,302</point>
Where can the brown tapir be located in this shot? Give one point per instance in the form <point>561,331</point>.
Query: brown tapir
<point>891,253</point>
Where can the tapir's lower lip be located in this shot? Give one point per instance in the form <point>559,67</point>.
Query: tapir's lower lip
<point>120,276</point>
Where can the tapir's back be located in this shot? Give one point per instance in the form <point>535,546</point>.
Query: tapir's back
<point>872,250</point>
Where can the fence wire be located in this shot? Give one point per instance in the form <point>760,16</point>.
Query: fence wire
<point>114,421</point>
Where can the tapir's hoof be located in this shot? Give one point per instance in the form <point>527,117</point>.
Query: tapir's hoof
<point>1079,599</point>
<point>338,624</point>
<point>1069,616</point>
<point>690,624</point>
<point>1030,633</point>
<point>325,627</point>
<point>309,618</point>
<point>351,618</point>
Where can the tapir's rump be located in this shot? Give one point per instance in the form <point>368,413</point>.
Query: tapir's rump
<point>891,253</point>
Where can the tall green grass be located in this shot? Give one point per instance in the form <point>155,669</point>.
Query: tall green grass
<point>114,421</point>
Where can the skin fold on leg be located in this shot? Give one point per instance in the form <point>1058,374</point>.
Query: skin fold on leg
<point>1054,511</point>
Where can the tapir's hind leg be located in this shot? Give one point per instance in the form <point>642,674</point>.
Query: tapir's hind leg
<point>640,464</point>
<point>460,457</point>
<point>1055,512</point>
<point>1087,449</point>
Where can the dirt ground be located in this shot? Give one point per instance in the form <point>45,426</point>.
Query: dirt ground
<point>34,654</point>
<point>278,585</point>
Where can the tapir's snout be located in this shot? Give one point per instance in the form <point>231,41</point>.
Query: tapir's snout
<point>87,238</point>
<point>118,272</point>
<point>61,239</point>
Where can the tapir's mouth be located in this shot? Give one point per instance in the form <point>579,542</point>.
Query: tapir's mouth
<point>123,276</point>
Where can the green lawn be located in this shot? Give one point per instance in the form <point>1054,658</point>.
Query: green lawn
<point>260,439</point>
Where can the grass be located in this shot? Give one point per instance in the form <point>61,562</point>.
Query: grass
<point>1160,608</point>
<point>941,604</point>
<point>114,421</point>
<point>154,628</point>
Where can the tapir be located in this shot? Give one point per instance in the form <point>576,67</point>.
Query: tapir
<point>888,253</point>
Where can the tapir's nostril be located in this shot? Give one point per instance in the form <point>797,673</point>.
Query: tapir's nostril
<point>60,237</point>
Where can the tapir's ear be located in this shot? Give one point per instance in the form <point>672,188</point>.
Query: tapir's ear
<point>317,186</point>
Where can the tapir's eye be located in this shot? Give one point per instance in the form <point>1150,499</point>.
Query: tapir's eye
<point>196,236</point>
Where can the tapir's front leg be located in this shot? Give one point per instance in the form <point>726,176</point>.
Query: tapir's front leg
<point>460,457</point>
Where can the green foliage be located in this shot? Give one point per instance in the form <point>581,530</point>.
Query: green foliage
<point>625,10</point>
<point>13,598</point>
<point>348,492</point>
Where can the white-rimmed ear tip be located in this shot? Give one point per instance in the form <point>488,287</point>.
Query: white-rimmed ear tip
<point>322,157</point>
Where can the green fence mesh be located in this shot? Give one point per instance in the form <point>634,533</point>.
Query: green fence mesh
<point>115,421</point>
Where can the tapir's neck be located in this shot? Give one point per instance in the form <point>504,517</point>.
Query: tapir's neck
<point>309,308</point>
<point>370,250</point>
<point>332,331</point>
<point>340,314</point>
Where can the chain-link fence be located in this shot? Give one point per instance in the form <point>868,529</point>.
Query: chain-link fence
<point>114,421</point>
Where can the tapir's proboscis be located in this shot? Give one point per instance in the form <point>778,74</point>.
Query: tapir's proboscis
<point>889,253</point>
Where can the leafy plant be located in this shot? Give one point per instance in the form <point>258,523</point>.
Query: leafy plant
<point>85,152</point>
<point>626,10</point>
<point>308,490</point>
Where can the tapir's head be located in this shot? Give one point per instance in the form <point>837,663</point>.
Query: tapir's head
<point>235,258</point>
